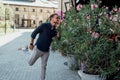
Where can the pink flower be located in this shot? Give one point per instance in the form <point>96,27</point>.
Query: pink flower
<point>96,6</point>
<point>119,9</point>
<point>115,9</point>
<point>107,16</point>
<point>93,6</point>
<point>111,12</point>
<point>100,14</point>
<point>60,13</point>
<point>106,7</point>
<point>79,6</point>
<point>88,17</point>
<point>99,0</point>
<point>95,35</point>
<point>111,17</point>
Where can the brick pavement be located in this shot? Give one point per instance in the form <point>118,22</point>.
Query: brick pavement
<point>14,66</point>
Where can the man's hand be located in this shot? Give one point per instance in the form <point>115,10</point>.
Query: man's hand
<point>58,35</point>
<point>31,47</point>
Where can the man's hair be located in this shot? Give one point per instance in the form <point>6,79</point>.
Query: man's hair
<point>51,16</point>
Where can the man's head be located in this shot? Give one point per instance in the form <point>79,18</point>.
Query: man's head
<point>54,18</point>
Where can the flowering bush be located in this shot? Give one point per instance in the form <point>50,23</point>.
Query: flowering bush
<point>93,36</point>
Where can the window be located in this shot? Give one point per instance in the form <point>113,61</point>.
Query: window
<point>33,10</point>
<point>17,9</point>
<point>17,18</point>
<point>33,21</point>
<point>25,10</point>
<point>41,10</point>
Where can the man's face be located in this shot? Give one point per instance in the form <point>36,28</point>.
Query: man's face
<point>55,19</point>
<point>58,21</point>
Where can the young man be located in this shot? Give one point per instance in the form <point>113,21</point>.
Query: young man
<point>46,31</point>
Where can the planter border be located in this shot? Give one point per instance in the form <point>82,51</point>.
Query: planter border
<point>89,76</point>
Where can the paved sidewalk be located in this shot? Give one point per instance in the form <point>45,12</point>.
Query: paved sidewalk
<point>14,63</point>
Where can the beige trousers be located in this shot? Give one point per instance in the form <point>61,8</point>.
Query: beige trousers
<point>44,58</point>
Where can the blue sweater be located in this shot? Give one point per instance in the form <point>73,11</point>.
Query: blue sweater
<point>45,36</point>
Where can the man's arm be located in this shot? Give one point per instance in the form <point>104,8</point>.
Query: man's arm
<point>58,35</point>
<point>33,35</point>
<point>39,29</point>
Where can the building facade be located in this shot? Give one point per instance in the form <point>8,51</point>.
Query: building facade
<point>30,14</point>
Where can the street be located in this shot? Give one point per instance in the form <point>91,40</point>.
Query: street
<point>14,63</point>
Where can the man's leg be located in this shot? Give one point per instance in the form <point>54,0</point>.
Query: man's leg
<point>34,56</point>
<point>44,60</point>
